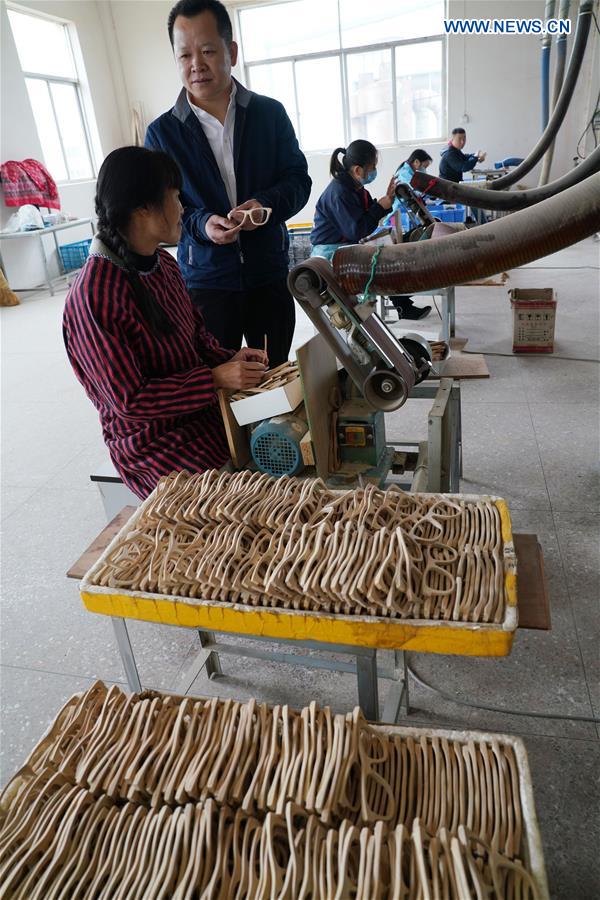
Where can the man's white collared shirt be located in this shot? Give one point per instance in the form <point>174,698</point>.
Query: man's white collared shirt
<point>220,138</point>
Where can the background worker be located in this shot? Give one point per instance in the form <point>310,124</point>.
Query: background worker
<point>454,163</point>
<point>237,153</point>
<point>418,161</point>
<point>134,339</point>
<point>346,212</point>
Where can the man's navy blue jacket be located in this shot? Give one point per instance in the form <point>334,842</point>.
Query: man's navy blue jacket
<point>269,167</point>
<point>345,213</point>
<point>454,162</point>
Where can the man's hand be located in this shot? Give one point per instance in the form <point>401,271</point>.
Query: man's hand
<point>238,374</point>
<point>249,354</point>
<point>481,155</point>
<point>221,230</point>
<point>245,220</point>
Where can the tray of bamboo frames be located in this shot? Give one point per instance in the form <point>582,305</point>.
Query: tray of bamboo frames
<point>161,796</point>
<point>384,608</point>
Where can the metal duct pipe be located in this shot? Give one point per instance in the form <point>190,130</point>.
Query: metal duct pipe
<point>478,252</point>
<point>481,198</point>
<point>584,21</point>
<point>559,72</point>
<point>546,50</point>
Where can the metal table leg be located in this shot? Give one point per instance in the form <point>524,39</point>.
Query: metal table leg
<point>213,663</point>
<point>127,657</point>
<point>452,310</point>
<point>45,264</point>
<point>366,674</point>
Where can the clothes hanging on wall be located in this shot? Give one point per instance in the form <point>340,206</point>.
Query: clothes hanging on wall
<point>28,181</point>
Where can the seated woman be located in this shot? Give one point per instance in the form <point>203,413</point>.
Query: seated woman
<point>135,340</point>
<point>346,212</point>
<point>418,161</point>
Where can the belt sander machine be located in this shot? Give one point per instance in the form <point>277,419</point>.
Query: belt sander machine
<point>344,410</point>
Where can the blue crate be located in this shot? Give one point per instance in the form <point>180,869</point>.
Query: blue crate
<point>454,213</point>
<point>74,255</point>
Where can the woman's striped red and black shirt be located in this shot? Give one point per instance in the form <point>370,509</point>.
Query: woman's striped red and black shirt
<point>155,395</point>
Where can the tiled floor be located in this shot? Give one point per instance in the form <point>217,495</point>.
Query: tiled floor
<point>530,434</point>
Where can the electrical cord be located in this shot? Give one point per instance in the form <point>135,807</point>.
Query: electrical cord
<point>372,275</point>
<point>596,110</point>
<point>499,709</point>
<point>589,125</point>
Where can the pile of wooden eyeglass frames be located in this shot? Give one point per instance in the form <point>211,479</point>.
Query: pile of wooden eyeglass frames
<point>292,543</point>
<point>153,796</point>
<point>274,378</point>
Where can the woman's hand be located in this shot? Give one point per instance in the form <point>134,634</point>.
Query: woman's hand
<point>239,374</point>
<point>249,354</point>
<point>388,199</point>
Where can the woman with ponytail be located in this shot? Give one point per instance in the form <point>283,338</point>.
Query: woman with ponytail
<point>135,341</point>
<point>346,212</point>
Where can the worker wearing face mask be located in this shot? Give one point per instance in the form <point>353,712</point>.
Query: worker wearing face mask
<point>346,212</point>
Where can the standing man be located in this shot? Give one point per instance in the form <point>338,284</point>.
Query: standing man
<point>239,158</point>
<point>454,162</point>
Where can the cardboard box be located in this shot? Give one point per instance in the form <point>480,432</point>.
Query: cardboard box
<point>268,403</point>
<point>534,317</point>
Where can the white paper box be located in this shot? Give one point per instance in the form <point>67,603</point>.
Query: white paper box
<point>269,403</point>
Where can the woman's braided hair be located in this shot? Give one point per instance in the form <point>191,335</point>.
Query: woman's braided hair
<point>131,178</point>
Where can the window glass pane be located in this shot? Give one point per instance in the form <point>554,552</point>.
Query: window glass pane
<point>319,86</point>
<point>384,21</point>
<point>370,95</point>
<point>276,80</point>
<point>68,116</point>
<point>419,91</point>
<point>43,46</point>
<point>289,29</point>
<point>46,128</point>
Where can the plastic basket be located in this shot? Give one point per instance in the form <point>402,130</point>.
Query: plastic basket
<point>454,213</point>
<point>300,246</point>
<point>74,255</point>
<point>534,317</point>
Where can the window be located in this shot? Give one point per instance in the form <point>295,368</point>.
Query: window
<point>346,69</point>
<point>48,64</point>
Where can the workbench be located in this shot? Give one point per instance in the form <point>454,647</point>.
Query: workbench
<point>357,638</point>
<point>448,313</point>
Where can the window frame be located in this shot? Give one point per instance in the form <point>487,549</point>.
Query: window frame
<point>76,83</point>
<point>343,54</point>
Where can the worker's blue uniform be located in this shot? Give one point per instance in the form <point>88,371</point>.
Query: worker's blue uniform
<point>454,163</point>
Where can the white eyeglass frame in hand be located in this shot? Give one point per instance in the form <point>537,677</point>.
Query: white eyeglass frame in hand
<point>249,213</point>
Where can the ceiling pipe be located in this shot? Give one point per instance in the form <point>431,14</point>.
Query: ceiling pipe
<point>482,198</point>
<point>476,253</point>
<point>584,21</point>
<point>559,73</point>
